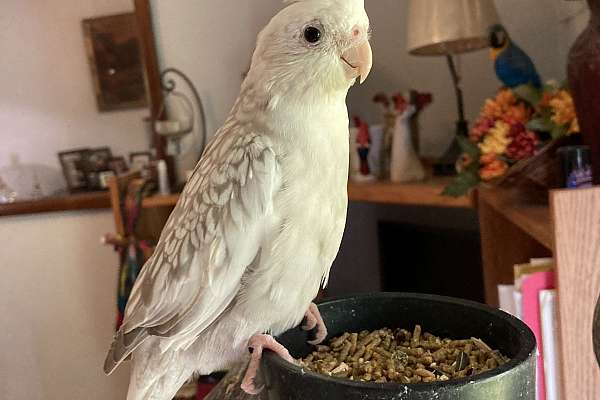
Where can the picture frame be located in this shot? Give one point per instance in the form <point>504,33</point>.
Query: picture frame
<point>73,163</point>
<point>113,48</point>
<point>97,162</point>
<point>118,165</point>
<point>99,159</point>
<point>140,161</point>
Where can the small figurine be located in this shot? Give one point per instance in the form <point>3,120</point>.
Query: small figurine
<point>389,122</point>
<point>363,147</point>
<point>399,154</point>
<point>405,163</point>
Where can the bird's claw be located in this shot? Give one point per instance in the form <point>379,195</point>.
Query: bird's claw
<point>314,320</point>
<point>256,345</point>
<point>251,389</point>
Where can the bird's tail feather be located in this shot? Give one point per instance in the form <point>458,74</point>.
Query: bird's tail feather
<point>123,345</point>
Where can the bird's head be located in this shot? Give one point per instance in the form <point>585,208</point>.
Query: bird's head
<point>320,44</point>
<point>499,40</point>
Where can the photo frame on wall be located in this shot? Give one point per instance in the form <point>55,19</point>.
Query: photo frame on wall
<point>114,53</point>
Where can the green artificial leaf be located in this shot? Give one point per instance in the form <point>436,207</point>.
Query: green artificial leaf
<point>464,182</point>
<point>559,131</point>
<point>564,85</point>
<point>468,147</point>
<point>541,124</point>
<point>528,93</point>
<point>550,87</point>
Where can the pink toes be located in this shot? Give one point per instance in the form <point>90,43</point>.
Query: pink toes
<point>320,324</point>
<point>256,345</point>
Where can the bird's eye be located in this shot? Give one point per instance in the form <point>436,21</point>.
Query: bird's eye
<point>312,34</point>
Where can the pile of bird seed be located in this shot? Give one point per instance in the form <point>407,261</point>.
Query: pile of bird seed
<point>401,356</point>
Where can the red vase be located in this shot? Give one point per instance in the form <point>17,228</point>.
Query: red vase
<point>584,81</point>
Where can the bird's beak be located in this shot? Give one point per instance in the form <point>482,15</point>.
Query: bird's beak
<point>358,61</point>
<point>494,54</point>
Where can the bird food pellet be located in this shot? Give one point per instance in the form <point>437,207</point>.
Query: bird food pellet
<point>402,356</point>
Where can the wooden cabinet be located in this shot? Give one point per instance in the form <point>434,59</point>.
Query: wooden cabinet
<point>514,231</point>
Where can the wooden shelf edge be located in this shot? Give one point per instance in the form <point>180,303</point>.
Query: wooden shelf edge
<point>74,202</point>
<point>534,219</point>
<point>160,201</point>
<point>427,193</point>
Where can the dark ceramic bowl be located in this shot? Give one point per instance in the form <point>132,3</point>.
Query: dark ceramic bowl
<point>441,316</point>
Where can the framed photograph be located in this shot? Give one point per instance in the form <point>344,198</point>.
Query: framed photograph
<point>114,53</point>
<point>99,159</point>
<point>97,162</point>
<point>118,165</point>
<point>73,164</point>
<point>140,161</point>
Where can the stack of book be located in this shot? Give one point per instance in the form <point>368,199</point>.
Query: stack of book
<point>532,298</point>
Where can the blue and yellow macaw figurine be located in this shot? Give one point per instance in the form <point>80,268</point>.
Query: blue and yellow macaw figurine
<point>513,66</point>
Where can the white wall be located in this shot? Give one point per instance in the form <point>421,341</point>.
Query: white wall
<point>573,17</point>
<point>212,42</point>
<point>57,292</point>
<point>532,23</point>
<point>192,35</point>
<point>47,101</point>
<point>57,307</point>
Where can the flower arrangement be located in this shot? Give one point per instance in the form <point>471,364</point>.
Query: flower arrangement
<point>513,126</point>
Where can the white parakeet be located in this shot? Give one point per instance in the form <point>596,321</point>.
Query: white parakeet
<point>260,221</point>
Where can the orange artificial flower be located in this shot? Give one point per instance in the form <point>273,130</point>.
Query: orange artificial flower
<point>492,167</point>
<point>564,111</point>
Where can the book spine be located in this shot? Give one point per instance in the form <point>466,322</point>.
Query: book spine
<point>549,316</point>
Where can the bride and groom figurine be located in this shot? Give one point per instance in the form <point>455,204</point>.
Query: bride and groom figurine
<point>398,158</point>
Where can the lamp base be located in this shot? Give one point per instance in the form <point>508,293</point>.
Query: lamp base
<point>446,165</point>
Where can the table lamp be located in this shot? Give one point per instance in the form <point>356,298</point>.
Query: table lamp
<point>447,28</point>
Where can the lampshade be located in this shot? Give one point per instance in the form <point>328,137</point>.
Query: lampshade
<point>441,27</point>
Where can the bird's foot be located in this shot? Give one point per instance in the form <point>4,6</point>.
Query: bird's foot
<point>314,319</point>
<point>256,345</point>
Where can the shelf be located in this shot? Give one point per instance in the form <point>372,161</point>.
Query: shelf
<point>533,219</point>
<point>160,201</point>
<point>427,193</point>
<point>83,201</point>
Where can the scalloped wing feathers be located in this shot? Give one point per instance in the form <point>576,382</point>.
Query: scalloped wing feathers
<point>197,267</point>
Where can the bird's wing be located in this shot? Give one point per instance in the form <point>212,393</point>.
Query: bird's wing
<point>212,236</point>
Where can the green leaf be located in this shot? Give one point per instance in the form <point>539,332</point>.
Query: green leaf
<point>529,94</point>
<point>559,131</point>
<point>541,124</point>
<point>564,85</point>
<point>468,147</point>
<point>550,87</point>
<point>465,181</point>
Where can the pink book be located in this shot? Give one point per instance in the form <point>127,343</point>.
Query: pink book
<point>531,287</point>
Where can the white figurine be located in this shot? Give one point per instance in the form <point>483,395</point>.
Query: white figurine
<point>405,163</point>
